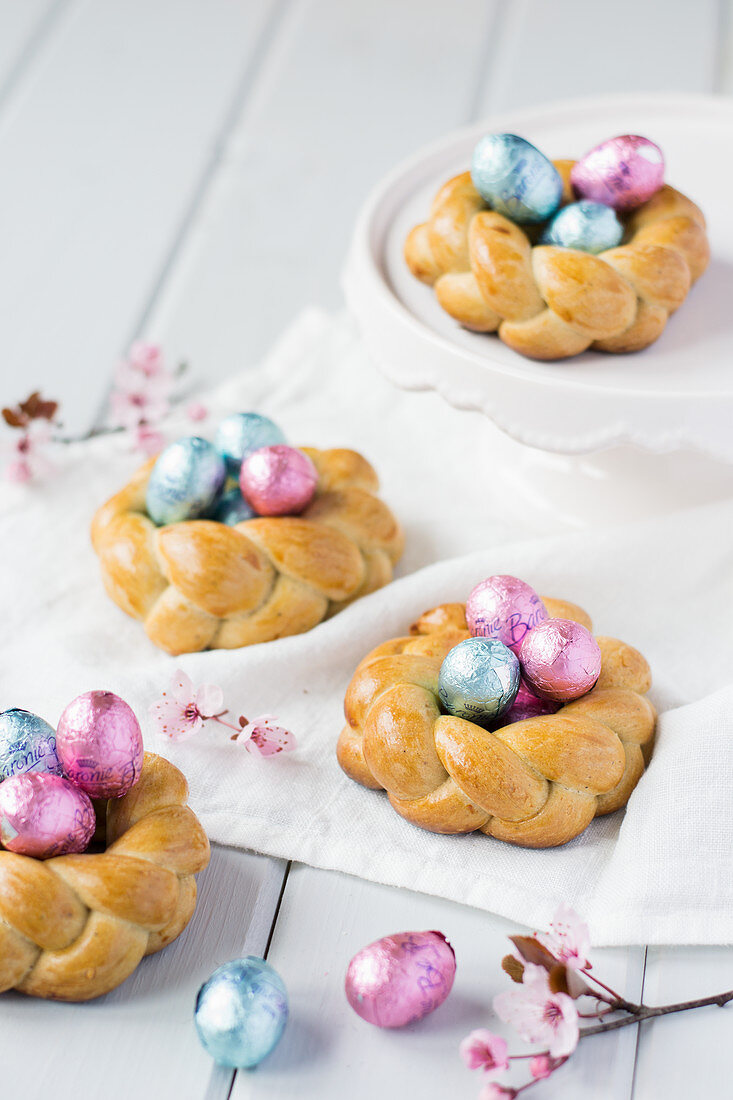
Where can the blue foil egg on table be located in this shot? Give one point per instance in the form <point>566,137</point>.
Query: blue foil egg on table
<point>185,481</point>
<point>242,433</point>
<point>588,226</point>
<point>232,508</point>
<point>27,744</point>
<point>479,680</point>
<point>515,178</point>
<point>241,1012</point>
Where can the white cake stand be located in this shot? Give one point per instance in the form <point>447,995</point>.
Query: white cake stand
<point>598,436</point>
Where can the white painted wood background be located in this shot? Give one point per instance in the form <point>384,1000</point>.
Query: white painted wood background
<point>190,170</point>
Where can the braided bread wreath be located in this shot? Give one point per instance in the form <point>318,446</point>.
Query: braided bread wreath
<point>536,783</point>
<point>548,302</point>
<point>74,927</point>
<point>203,585</point>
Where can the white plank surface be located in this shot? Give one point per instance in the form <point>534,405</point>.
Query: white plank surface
<point>103,146</point>
<point>327,1050</point>
<point>195,167</point>
<point>140,1038</point>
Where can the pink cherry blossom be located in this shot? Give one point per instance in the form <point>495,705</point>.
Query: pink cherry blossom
<point>568,938</point>
<point>486,1051</point>
<point>197,411</point>
<point>493,1091</point>
<point>541,1066</point>
<point>263,736</point>
<point>147,358</point>
<point>538,1014</point>
<point>148,440</point>
<point>27,453</point>
<point>142,390</point>
<point>181,712</point>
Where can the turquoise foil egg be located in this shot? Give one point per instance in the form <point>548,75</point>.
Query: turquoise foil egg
<point>588,226</point>
<point>185,481</point>
<point>232,508</point>
<point>241,1012</point>
<point>515,178</point>
<point>479,680</point>
<point>27,744</point>
<point>242,433</point>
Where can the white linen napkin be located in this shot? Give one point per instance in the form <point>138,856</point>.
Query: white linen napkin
<point>658,873</point>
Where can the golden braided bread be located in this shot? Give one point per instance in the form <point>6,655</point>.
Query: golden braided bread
<point>203,585</point>
<point>548,302</point>
<point>74,927</point>
<point>537,783</point>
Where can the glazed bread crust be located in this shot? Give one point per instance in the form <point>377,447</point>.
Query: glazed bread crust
<point>536,783</point>
<point>547,302</point>
<point>74,927</point>
<point>203,585</point>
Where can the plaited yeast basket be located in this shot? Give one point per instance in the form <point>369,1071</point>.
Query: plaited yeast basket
<point>537,783</point>
<point>204,585</point>
<point>74,927</point>
<point>548,302</point>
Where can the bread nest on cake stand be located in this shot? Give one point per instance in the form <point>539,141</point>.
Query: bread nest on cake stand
<point>537,783</point>
<point>74,927</point>
<point>203,585</point>
<point>548,302</point>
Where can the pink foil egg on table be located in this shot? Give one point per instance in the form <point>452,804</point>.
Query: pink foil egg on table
<point>278,480</point>
<point>100,744</point>
<point>400,979</point>
<point>561,660</point>
<point>44,815</point>
<point>623,172</point>
<point>504,607</point>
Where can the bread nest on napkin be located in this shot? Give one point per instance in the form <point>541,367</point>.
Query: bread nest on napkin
<point>537,783</point>
<point>74,927</point>
<point>548,302</point>
<point>203,585</point>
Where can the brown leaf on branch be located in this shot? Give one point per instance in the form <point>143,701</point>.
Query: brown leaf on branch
<point>33,408</point>
<point>533,951</point>
<point>513,967</point>
<point>14,419</point>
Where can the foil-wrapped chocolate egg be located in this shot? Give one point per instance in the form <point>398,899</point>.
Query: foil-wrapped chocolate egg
<point>527,705</point>
<point>623,172</point>
<point>278,480</point>
<point>561,660</point>
<point>100,744</point>
<point>400,979</point>
<point>515,178</point>
<point>27,744</point>
<point>241,1012</point>
<point>588,226</point>
<point>232,508</point>
<point>242,433</point>
<point>478,680</point>
<point>504,607</point>
<point>43,815</point>
<point>185,481</point>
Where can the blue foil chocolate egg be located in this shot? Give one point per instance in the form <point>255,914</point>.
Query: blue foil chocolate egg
<point>515,178</point>
<point>588,226</point>
<point>241,1012</point>
<point>27,744</point>
<point>241,434</point>
<point>479,680</point>
<point>185,481</point>
<point>232,508</point>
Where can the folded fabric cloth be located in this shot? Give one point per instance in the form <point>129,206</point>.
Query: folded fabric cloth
<point>658,873</point>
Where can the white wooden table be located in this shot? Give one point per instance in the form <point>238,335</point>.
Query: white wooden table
<point>189,170</point>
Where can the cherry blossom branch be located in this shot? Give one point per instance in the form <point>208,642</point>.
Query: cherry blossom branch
<point>644,1012</point>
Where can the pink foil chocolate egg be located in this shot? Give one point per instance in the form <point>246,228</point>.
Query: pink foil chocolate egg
<point>278,480</point>
<point>504,607</point>
<point>622,172</point>
<point>43,815</point>
<point>561,660</point>
<point>527,705</point>
<point>100,744</point>
<point>399,979</point>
